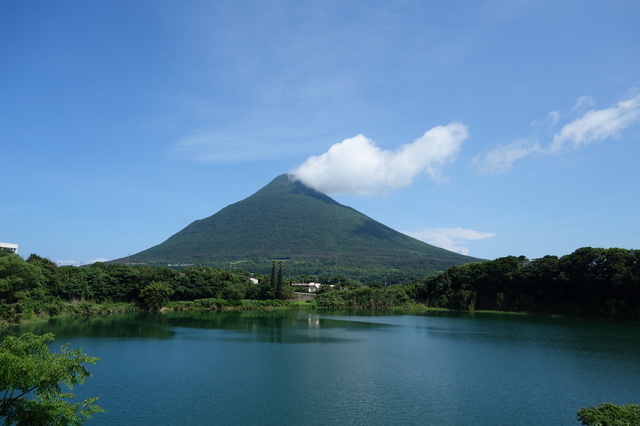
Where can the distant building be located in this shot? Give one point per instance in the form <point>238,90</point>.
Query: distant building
<point>12,247</point>
<point>307,287</point>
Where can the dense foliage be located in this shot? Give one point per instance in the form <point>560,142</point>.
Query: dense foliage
<point>31,378</point>
<point>608,414</point>
<point>364,298</point>
<point>603,283</point>
<point>315,235</point>
<point>155,295</point>
<point>38,286</point>
<point>595,282</point>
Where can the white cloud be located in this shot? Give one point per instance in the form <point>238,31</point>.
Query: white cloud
<point>357,165</point>
<point>592,126</point>
<point>596,126</point>
<point>582,102</point>
<point>502,158</point>
<point>450,238</point>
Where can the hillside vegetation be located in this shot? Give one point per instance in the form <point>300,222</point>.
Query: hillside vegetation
<point>313,233</point>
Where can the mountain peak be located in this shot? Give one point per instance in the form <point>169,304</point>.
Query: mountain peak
<point>287,184</point>
<point>287,219</point>
<point>282,183</point>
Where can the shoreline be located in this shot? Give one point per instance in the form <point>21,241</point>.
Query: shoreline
<point>88,309</point>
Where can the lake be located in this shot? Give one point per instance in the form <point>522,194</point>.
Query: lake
<point>322,368</point>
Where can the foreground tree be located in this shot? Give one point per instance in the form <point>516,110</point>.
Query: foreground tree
<point>608,414</point>
<point>31,378</point>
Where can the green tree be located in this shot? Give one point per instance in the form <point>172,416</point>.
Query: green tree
<point>155,295</point>
<point>279,289</point>
<point>22,292</point>
<point>608,414</point>
<point>233,291</point>
<point>73,284</point>
<point>331,299</point>
<point>31,378</point>
<point>272,281</point>
<point>18,276</point>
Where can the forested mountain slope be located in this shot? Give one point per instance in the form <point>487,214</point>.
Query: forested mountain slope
<point>313,233</point>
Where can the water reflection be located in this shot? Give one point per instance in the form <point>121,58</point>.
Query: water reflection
<point>287,326</point>
<point>275,327</point>
<point>113,326</point>
<point>291,326</point>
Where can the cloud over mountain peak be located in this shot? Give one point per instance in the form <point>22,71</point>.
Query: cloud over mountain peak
<point>358,165</point>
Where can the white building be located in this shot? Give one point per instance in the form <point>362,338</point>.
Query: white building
<point>307,287</point>
<point>12,247</point>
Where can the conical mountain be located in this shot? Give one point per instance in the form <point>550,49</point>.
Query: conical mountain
<point>287,220</point>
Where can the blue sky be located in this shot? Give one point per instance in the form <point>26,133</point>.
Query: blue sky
<point>491,128</point>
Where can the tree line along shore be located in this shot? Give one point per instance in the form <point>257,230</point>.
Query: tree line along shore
<point>590,282</point>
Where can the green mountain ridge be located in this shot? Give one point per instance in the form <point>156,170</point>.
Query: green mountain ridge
<point>287,220</point>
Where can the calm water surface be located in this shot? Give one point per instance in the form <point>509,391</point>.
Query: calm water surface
<point>307,368</point>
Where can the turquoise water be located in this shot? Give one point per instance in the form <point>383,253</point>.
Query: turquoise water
<point>308,368</point>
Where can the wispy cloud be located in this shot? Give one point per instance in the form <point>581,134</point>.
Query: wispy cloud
<point>582,103</point>
<point>591,126</point>
<point>597,125</point>
<point>551,120</point>
<point>209,147</point>
<point>501,159</point>
<point>450,238</point>
<point>284,130</point>
<point>221,146</point>
<point>357,165</point>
